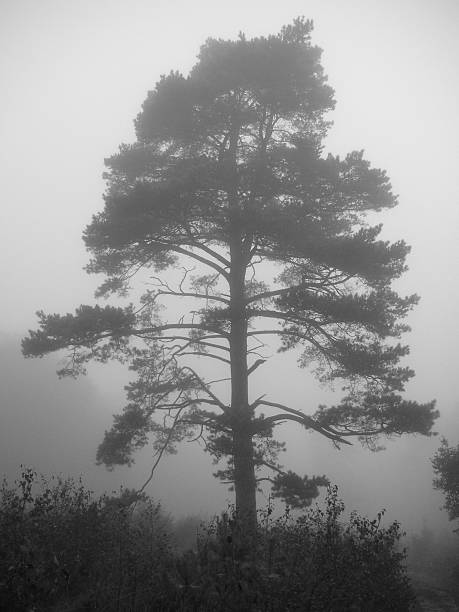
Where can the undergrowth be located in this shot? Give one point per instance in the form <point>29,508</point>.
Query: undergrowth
<point>63,550</point>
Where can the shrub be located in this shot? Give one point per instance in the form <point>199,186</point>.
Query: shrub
<point>61,549</point>
<point>314,562</point>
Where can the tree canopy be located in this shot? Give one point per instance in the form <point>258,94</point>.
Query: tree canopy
<point>229,173</point>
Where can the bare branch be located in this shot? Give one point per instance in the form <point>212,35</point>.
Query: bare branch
<point>192,255</point>
<point>200,340</point>
<point>211,252</point>
<point>205,387</point>
<point>272,467</point>
<point>254,366</point>
<point>199,434</point>
<point>316,325</point>
<point>161,452</point>
<point>218,380</point>
<point>203,296</point>
<point>227,361</point>
<point>186,271</point>
<point>189,402</point>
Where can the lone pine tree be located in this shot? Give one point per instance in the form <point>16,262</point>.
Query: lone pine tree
<point>228,172</point>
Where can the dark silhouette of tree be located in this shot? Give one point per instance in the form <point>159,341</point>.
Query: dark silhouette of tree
<point>228,172</point>
<point>446,467</point>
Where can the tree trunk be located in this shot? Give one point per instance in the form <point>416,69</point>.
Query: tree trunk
<point>244,470</point>
<point>244,480</point>
<point>241,417</point>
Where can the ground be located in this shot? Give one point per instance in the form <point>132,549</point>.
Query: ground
<point>430,597</point>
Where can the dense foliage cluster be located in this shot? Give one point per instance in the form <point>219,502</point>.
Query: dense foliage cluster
<point>316,562</point>
<point>63,550</point>
<point>446,467</point>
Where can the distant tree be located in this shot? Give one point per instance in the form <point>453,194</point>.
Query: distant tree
<point>228,171</point>
<point>446,467</point>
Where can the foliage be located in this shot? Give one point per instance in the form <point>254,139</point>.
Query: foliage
<point>62,550</point>
<point>313,562</point>
<point>446,467</point>
<point>229,173</point>
<point>297,491</point>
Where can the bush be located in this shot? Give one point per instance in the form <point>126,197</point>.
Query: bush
<point>62,550</point>
<point>314,562</point>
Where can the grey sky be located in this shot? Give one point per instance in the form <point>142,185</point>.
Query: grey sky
<point>74,75</point>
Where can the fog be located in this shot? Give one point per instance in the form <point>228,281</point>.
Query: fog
<point>74,75</point>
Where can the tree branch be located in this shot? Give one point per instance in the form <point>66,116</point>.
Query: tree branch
<point>205,387</point>
<point>196,341</point>
<point>254,366</point>
<point>203,296</point>
<point>197,257</point>
<point>186,403</point>
<point>308,423</point>
<point>211,252</point>
<point>160,453</point>
<point>300,417</point>
<point>166,326</point>
<point>317,325</point>
<point>284,316</point>
<point>272,467</point>
<point>274,293</point>
<point>227,361</point>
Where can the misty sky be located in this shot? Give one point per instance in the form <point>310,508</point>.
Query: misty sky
<point>74,75</point>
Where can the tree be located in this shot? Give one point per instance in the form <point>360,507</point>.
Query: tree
<point>228,171</point>
<point>446,467</point>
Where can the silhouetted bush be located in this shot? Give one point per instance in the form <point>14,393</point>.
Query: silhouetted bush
<point>314,562</point>
<point>62,550</point>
